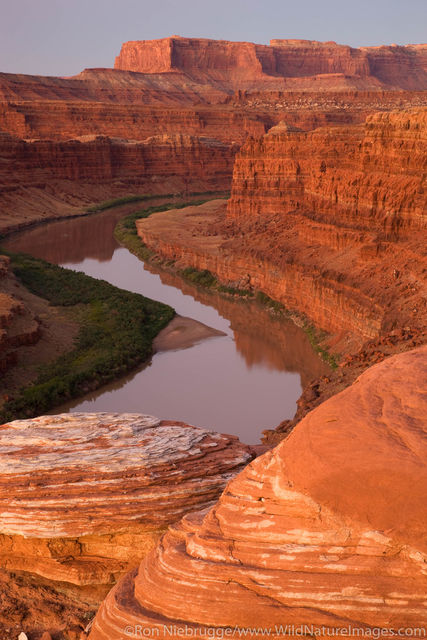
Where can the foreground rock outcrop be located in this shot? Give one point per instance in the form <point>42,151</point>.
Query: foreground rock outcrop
<point>328,529</point>
<point>83,497</point>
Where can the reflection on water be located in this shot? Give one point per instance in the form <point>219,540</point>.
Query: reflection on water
<point>259,337</point>
<point>241,383</point>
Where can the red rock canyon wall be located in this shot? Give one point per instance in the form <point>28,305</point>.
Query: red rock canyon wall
<point>369,178</point>
<point>44,178</point>
<point>236,64</point>
<point>332,223</point>
<point>346,207</point>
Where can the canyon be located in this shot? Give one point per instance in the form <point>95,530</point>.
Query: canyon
<point>179,103</point>
<point>39,178</point>
<point>331,223</point>
<point>323,148</point>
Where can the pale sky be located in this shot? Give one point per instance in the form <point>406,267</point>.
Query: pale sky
<point>62,37</point>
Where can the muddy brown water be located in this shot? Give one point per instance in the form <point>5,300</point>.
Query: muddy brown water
<point>242,382</point>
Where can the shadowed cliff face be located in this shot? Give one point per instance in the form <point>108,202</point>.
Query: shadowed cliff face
<point>43,178</point>
<point>327,529</point>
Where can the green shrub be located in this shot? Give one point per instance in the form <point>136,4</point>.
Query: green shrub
<point>316,337</point>
<point>116,202</point>
<point>203,278</point>
<point>274,305</point>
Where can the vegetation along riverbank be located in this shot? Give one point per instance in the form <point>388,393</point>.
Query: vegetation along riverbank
<point>115,333</point>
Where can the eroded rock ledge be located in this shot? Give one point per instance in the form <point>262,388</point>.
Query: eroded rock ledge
<point>83,497</point>
<point>327,529</point>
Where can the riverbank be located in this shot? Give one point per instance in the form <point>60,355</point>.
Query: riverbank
<point>190,225</point>
<point>78,209</point>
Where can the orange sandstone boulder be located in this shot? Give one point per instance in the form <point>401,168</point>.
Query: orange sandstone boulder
<point>328,529</point>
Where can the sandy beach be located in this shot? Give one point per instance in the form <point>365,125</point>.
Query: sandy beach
<point>182,333</point>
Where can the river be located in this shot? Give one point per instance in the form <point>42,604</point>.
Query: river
<point>241,383</point>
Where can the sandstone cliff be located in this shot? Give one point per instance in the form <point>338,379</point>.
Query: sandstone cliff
<point>368,177</point>
<point>326,529</point>
<point>85,496</point>
<point>60,120</point>
<point>187,87</point>
<point>341,214</point>
<point>331,223</point>
<point>109,86</point>
<point>241,65</point>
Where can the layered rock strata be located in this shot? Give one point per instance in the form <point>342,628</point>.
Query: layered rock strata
<point>244,113</point>
<point>104,85</point>
<point>367,178</point>
<point>327,530</point>
<point>183,87</point>
<point>346,208</point>
<point>61,120</point>
<point>39,177</point>
<point>332,223</point>
<point>84,496</point>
